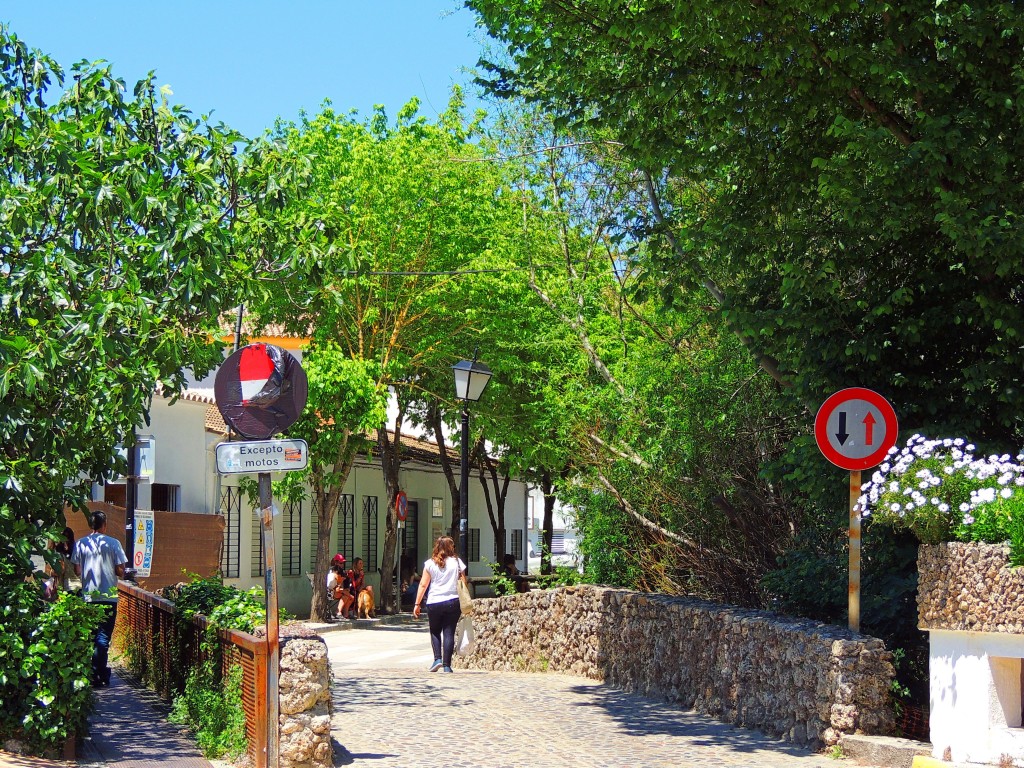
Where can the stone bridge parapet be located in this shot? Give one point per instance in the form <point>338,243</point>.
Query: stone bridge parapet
<point>800,680</point>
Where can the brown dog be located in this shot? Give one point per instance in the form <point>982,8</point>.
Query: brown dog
<point>365,607</point>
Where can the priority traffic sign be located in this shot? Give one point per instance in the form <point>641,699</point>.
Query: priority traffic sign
<point>855,428</point>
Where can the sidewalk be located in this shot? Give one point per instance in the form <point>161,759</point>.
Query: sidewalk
<point>128,729</point>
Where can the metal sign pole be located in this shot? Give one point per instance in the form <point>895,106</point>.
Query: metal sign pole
<point>854,585</point>
<point>270,581</point>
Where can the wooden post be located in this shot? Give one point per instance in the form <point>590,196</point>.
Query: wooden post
<point>854,586</point>
<point>273,659</point>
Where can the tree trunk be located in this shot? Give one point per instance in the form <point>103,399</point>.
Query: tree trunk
<point>328,498</point>
<point>434,421</point>
<point>547,527</point>
<point>490,480</point>
<point>391,463</point>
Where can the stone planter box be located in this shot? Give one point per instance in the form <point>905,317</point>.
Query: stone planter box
<point>971,603</point>
<point>969,588</point>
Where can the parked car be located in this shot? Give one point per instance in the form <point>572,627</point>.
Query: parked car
<point>567,559</point>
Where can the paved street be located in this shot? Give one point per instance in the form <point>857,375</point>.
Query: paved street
<point>389,711</point>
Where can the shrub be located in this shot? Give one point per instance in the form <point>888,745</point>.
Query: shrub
<point>45,665</point>
<point>939,491</point>
<point>210,705</point>
<point>213,711</point>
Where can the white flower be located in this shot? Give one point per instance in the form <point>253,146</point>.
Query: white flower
<point>1006,493</point>
<point>894,507</point>
<point>964,507</point>
<point>943,507</point>
<point>983,495</point>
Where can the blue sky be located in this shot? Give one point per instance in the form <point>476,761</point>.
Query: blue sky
<point>250,62</point>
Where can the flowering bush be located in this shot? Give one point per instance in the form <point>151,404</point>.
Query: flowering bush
<point>940,491</point>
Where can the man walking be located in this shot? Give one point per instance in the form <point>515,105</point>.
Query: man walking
<point>100,561</point>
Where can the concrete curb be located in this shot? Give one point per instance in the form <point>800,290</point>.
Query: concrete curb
<point>884,750</point>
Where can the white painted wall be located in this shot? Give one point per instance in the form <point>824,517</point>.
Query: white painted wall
<point>180,455</point>
<point>975,692</point>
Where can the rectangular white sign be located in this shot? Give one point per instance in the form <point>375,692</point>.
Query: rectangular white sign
<point>143,543</point>
<point>251,456</point>
<point>147,458</point>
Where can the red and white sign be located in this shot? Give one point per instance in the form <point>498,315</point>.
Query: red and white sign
<point>855,428</point>
<point>254,370</point>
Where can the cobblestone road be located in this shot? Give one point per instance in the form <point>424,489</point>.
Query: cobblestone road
<point>389,711</point>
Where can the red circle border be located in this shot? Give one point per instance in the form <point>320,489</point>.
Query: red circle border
<point>833,402</point>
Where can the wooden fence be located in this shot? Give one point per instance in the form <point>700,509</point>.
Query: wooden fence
<point>184,541</point>
<point>162,648</point>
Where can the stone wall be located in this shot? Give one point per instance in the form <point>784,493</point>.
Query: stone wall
<point>305,701</point>
<point>800,680</point>
<point>969,587</point>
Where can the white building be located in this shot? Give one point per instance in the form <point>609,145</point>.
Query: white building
<point>180,471</point>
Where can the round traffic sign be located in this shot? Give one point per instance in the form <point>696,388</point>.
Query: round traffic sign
<point>855,428</point>
<point>260,390</point>
<point>138,558</point>
<point>402,506</point>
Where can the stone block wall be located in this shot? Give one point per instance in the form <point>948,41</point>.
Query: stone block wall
<point>969,587</point>
<point>806,682</point>
<point>305,700</point>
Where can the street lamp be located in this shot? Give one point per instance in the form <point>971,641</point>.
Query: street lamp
<point>471,378</point>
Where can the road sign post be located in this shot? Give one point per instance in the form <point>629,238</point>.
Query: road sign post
<point>261,390</point>
<point>854,429</point>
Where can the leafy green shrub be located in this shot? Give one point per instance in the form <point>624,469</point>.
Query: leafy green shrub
<point>561,576</point>
<point>210,705</point>
<point>45,664</point>
<point>940,491</point>
<point>213,711</point>
<point>502,584</point>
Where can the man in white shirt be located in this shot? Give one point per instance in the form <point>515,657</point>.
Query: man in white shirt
<point>99,561</point>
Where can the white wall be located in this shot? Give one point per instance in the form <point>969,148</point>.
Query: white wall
<point>180,455</point>
<point>975,691</point>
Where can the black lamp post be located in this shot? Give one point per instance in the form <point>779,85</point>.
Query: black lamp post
<point>471,378</point>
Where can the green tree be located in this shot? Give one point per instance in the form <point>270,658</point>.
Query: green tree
<point>843,180</point>
<point>116,243</point>
<point>395,213</point>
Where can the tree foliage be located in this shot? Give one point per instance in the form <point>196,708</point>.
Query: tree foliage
<point>844,178</point>
<point>116,249</point>
<point>395,212</point>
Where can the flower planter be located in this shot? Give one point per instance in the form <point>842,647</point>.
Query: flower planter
<point>969,587</point>
<point>970,603</point>
<point>69,747</point>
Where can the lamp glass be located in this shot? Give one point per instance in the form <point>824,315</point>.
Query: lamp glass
<point>470,379</point>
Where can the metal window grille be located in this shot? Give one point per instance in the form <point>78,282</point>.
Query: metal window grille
<point>291,549</point>
<point>314,530</point>
<point>370,533</point>
<point>411,524</point>
<point>345,527</point>
<point>231,509</point>
<point>498,547</point>
<point>558,542</point>
<point>256,563</point>
<point>517,544</point>
<point>474,545</point>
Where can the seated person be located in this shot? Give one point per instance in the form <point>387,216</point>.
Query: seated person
<point>339,594</point>
<point>509,569</point>
<point>409,587</point>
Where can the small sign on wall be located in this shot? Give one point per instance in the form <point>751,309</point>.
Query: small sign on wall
<point>144,535</point>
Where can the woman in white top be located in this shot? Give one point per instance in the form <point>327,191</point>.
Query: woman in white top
<point>441,574</point>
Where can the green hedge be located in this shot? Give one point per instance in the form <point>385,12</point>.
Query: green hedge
<point>45,664</point>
